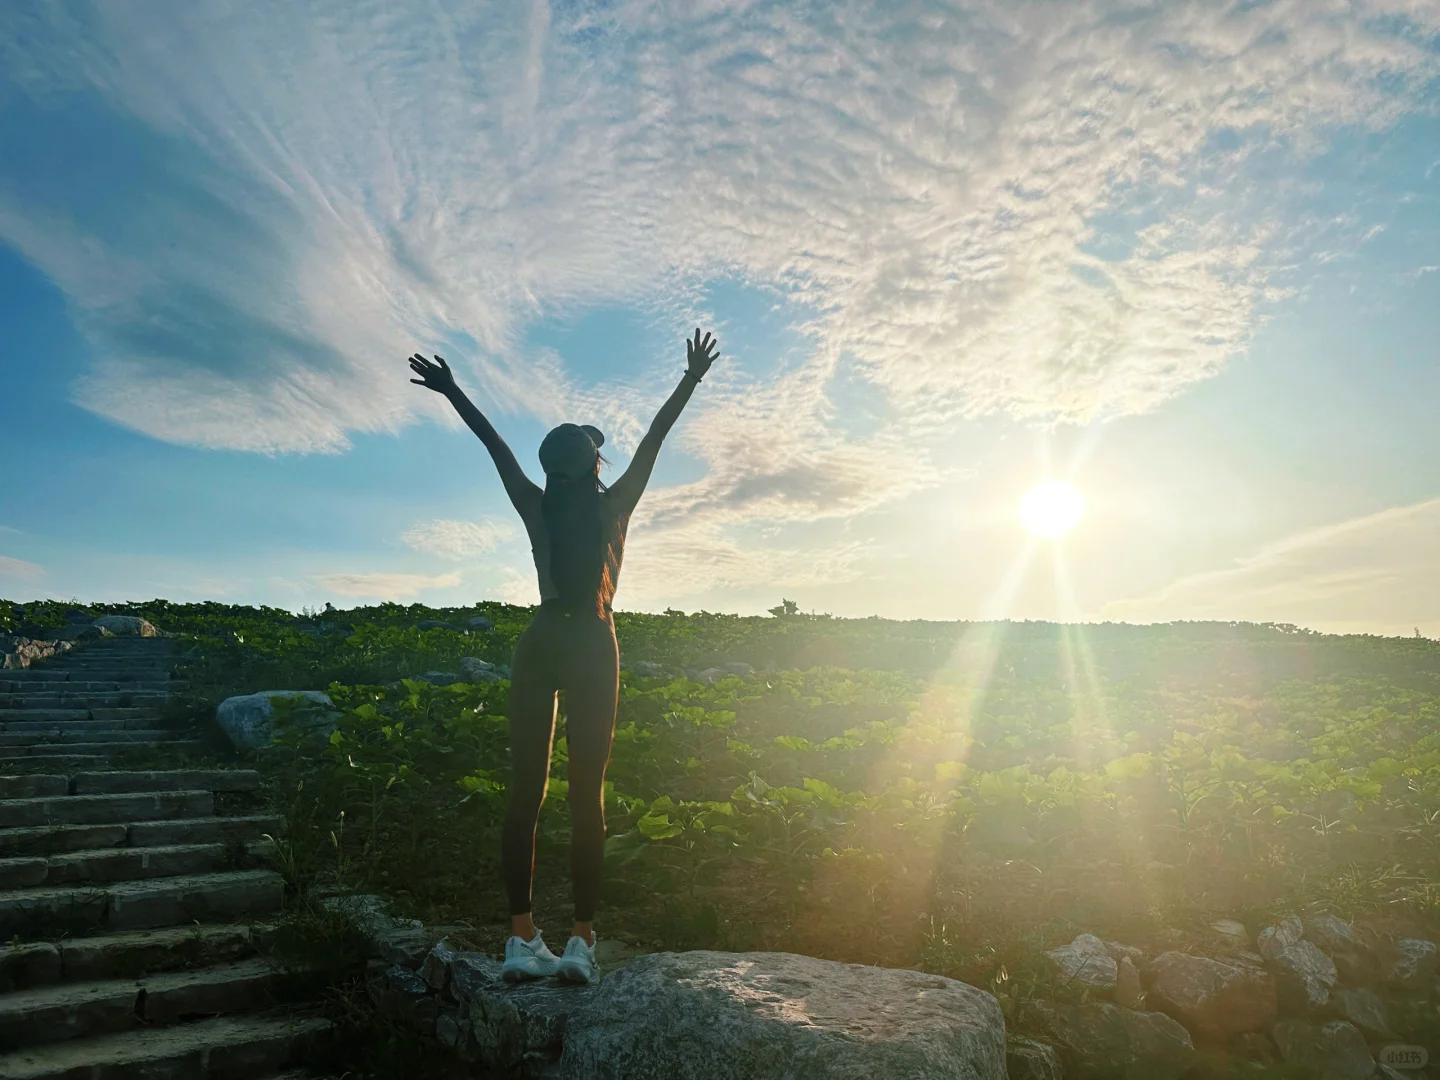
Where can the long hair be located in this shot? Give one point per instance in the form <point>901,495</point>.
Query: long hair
<point>579,547</point>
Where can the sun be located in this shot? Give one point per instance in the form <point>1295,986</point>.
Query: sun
<point>1052,509</point>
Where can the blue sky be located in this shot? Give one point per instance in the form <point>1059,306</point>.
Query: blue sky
<point>1184,256</point>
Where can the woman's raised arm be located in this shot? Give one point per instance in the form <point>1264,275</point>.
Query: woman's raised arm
<point>524,493</point>
<point>699,355</point>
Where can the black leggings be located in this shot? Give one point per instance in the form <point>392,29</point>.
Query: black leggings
<point>575,653</point>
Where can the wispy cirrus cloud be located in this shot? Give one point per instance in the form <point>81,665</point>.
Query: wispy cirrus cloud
<point>383,586</point>
<point>457,539</point>
<point>1049,211</point>
<point>20,570</point>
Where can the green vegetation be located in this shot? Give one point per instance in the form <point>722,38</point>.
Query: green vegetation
<point>948,796</point>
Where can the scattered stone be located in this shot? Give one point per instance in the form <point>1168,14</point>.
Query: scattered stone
<point>1231,935</point>
<point>1334,1050</point>
<point>1215,999</point>
<point>435,969</point>
<point>738,1016</point>
<point>1304,977</point>
<point>739,667</point>
<point>1101,1041</point>
<point>1129,991</point>
<point>1086,961</point>
<point>1414,964</point>
<point>480,622</point>
<point>648,669</point>
<point>21,652</point>
<point>248,719</point>
<point>1362,1007</point>
<point>1030,1059</point>
<point>1274,940</point>
<point>439,678</point>
<point>477,670</point>
<point>1254,1046</point>
<point>1122,952</point>
<point>1338,940</point>
<point>127,626</point>
<point>403,996</point>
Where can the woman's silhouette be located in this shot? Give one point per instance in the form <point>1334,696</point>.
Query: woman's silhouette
<point>577,534</point>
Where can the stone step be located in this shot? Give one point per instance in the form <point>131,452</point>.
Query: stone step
<point>43,716</point>
<point>22,727</point>
<point>106,783</point>
<point>61,735</point>
<point>77,1010</point>
<point>22,682</point>
<point>225,1048</point>
<point>99,865</point>
<point>27,678</point>
<point>101,809</point>
<point>140,905</point>
<point>128,954</point>
<point>55,839</point>
<point>33,786</point>
<point>51,699</point>
<point>57,762</point>
<point>97,750</point>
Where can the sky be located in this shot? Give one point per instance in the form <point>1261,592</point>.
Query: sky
<point>1182,256</point>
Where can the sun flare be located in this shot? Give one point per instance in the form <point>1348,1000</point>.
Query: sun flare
<point>1052,509</point>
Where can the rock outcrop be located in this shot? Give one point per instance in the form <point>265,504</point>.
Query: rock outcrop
<point>127,626</point>
<point>1106,1042</point>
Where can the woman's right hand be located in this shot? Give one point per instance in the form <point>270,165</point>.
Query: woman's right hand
<point>700,354</point>
<point>435,376</point>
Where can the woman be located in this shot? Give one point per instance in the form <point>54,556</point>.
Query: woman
<point>577,534</point>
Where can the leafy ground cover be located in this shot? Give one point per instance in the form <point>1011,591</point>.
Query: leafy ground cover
<point>953,797</point>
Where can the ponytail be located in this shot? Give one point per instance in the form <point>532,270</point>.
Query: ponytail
<point>575,526</point>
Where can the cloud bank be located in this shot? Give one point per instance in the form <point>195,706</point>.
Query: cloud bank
<point>1378,574</point>
<point>383,586</point>
<point>12,569</point>
<point>456,539</point>
<point>1047,211</point>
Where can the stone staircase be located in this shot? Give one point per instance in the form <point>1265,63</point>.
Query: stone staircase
<point>134,917</point>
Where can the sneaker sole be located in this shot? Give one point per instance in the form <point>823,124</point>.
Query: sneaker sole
<point>575,976</point>
<point>516,975</point>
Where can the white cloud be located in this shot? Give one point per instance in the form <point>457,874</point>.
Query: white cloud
<point>1043,210</point>
<point>19,569</point>
<point>1373,574</point>
<point>385,586</point>
<point>456,539</point>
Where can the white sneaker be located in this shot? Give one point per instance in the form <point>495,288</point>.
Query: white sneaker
<point>578,964</point>
<point>528,959</point>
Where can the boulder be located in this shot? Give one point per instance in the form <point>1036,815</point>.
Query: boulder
<point>710,675</point>
<point>1030,1059</point>
<point>1085,961</point>
<point>1274,940</point>
<point>1334,1050</point>
<point>1304,977</point>
<point>433,624</point>
<point>82,631</point>
<point>403,996</point>
<point>1214,999</point>
<point>1362,1007</point>
<point>648,669</point>
<point>481,623</point>
<point>248,719</point>
<point>476,670</point>
<point>1413,964</point>
<point>1101,1041</point>
<point>1338,940</point>
<point>750,1016</point>
<point>739,667</point>
<point>127,626</point>
<point>439,678</point>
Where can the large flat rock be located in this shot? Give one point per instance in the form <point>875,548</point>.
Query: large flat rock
<point>752,1016</point>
